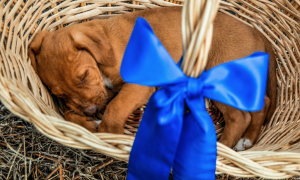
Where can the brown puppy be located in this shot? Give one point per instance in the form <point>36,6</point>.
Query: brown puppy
<point>80,62</point>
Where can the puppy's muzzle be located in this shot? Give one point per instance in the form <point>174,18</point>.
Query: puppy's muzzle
<point>91,111</point>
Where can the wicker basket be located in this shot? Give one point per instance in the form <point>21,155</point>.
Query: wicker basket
<point>21,91</point>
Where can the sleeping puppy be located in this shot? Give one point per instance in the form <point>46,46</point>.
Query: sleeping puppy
<point>80,62</point>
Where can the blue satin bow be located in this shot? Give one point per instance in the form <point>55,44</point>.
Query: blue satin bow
<point>167,136</point>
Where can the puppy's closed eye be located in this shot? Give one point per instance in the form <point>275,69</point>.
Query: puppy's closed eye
<point>83,77</point>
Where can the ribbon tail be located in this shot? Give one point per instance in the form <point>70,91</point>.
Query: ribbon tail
<point>197,149</point>
<point>154,148</point>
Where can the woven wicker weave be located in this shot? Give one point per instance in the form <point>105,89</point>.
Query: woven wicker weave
<point>21,91</point>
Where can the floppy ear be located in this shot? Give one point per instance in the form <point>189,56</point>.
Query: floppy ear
<point>35,47</point>
<point>93,40</point>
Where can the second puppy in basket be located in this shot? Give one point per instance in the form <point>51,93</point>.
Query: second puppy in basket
<point>80,62</point>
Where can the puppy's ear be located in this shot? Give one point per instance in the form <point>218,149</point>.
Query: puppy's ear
<point>94,40</point>
<point>35,47</point>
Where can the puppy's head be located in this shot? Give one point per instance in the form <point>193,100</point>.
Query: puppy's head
<point>68,62</point>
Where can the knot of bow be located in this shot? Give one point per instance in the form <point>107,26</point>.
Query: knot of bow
<point>194,88</point>
<point>168,137</point>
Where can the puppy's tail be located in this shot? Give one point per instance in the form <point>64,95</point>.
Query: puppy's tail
<point>272,81</point>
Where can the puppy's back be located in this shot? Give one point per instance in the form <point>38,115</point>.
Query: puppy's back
<point>165,22</point>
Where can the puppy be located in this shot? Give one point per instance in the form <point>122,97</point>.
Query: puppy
<point>80,62</point>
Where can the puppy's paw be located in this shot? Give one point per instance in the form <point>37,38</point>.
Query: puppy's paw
<point>84,121</point>
<point>90,125</point>
<point>243,144</point>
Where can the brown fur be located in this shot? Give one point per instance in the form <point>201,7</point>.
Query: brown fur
<point>61,59</point>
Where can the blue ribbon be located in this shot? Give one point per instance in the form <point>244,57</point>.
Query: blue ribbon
<point>168,137</point>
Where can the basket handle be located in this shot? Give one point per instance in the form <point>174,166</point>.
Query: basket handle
<point>197,28</point>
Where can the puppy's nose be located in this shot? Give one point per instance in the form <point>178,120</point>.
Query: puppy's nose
<point>91,111</point>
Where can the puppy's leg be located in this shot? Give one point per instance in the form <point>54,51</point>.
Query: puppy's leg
<point>236,121</point>
<point>117,111</point>
<point>84,121</point>
<point>251,135</point>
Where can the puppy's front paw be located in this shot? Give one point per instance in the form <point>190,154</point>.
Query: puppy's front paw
<point>243,144</point>
<point>90,125</point>
<point>110,128</point>
<point>84,121</point>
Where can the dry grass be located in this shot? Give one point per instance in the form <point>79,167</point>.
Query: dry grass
<point>27,154</point>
